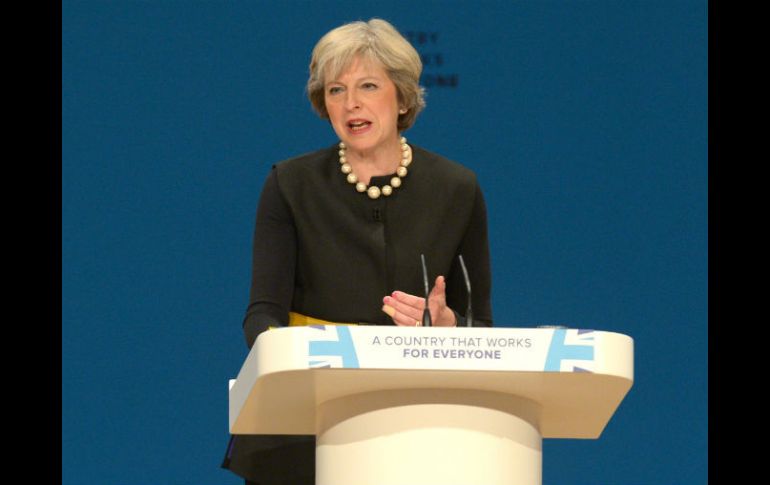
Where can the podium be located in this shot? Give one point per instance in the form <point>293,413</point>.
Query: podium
<point>431,406</point>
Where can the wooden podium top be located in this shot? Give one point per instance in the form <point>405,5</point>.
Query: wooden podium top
<point>577,376</point>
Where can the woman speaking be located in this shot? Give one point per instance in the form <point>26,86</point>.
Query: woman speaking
<point>340,231</point>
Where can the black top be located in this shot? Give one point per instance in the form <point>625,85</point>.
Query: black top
<point>327,251</point>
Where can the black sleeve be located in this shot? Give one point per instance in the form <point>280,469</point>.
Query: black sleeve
<point>474,249</point>
<point>273,262</point>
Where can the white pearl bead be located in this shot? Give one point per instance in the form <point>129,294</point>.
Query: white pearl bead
<point>373,192</point>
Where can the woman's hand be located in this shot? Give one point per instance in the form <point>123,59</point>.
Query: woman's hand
<point>406,310</point>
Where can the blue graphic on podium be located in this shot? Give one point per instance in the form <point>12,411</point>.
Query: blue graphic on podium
<point>323,352</point>
<point>559,350</point>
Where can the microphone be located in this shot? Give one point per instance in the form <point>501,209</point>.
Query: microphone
<point>426,321</point>
<point>469,310</point>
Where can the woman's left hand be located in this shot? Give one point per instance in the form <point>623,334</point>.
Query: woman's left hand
<point>407,310</point>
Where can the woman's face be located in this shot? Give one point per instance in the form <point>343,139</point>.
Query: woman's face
<point>363,106</point>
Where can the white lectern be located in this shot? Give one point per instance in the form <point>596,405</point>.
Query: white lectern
<point>431,406</point>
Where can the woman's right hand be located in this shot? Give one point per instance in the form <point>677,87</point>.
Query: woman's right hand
<point>407,310</point>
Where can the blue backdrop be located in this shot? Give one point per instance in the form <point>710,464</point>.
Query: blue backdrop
<point>586,122</point>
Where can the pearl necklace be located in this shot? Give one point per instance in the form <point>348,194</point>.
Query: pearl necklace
<point>374,192</point>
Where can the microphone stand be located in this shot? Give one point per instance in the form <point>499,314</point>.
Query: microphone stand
<point>469,310</point>
<point>426,321</point>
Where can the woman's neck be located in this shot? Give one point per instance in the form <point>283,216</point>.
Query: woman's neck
<point>383,160</point>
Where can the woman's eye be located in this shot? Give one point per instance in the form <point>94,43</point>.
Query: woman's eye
<point>335,90</point>
<point>369,86</point>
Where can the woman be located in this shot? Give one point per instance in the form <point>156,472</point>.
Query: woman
<point>340,231</point>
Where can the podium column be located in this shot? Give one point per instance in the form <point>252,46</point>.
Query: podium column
<point>428,437</point>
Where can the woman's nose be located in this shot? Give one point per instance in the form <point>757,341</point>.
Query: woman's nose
<point>351,100</point>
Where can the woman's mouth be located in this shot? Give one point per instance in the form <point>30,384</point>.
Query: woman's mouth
<point>358,126</point>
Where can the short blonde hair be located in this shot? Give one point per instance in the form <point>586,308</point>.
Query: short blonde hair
<point>373,40</point>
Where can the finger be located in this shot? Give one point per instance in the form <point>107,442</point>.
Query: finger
<point>405,307</point>
<point>399,318</point>
<point>438,293</point>
<point>441,314</point>
<point>407,299</point>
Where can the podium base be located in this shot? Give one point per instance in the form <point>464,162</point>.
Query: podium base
<point>428,437</point>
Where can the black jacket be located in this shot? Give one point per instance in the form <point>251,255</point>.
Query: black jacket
<point>327,251</point>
